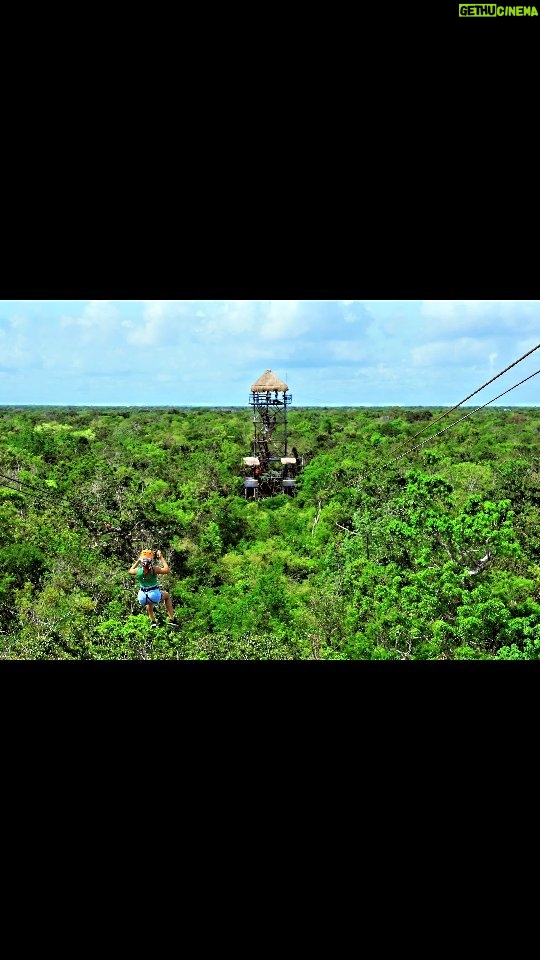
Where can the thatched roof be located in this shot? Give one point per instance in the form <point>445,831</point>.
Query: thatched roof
<point>269,381</point>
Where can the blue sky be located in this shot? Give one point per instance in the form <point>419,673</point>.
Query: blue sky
<point>209,352</point>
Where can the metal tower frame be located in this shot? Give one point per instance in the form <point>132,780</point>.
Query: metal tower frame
<point>272,470</point>
<point>270,431</point>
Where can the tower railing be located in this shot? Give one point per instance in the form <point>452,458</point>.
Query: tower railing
<point>269,397</point>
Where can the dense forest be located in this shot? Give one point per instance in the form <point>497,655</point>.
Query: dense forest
<point>410,536</point>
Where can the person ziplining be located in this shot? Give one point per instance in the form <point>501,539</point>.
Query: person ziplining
<point>150,593</point>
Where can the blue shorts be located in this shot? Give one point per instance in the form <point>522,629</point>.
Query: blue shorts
<point>153,596</point>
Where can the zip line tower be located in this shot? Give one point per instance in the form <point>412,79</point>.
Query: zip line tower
<point>272,468</point>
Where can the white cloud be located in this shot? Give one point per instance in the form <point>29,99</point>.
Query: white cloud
<point>346,351</point>
<point>463,351</point>
<point>18,322</point>
<point>148,332</point>
<point>98,314</point>
<point>284,320</point>
<point>450,317</point>
<point>227,318</point>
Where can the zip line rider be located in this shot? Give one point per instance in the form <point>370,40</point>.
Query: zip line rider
<point>150,594</point>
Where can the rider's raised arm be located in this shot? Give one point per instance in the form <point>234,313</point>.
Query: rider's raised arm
<point>164,566</point>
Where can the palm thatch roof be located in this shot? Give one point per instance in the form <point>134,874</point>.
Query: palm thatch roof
<point>269,381</point>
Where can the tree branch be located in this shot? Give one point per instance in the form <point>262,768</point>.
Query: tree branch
<point>481,564</point>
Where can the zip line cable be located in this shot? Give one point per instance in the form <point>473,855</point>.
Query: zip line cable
<point>28,486</point>
<point>76,513</point>
<point>42,495</point>
<point>467,415</point>
<point>445,414</point>
<point>77,516</point>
